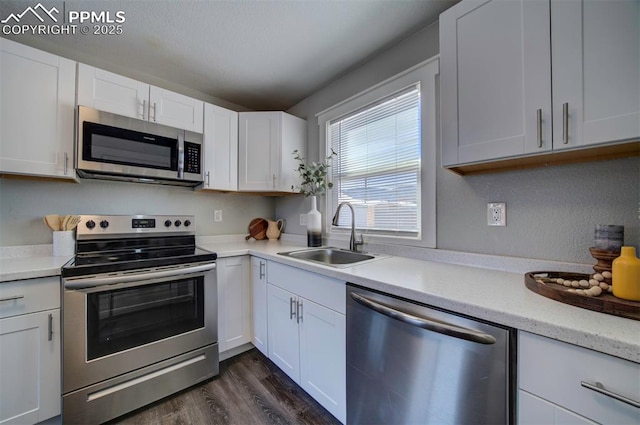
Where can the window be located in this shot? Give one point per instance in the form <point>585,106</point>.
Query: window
<point>385,165</point>
<point>377,168</point>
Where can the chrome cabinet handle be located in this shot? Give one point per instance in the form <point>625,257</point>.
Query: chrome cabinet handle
<point>599,388</point>
<point>274,181</point>
<point>50,330</point>
<point>262,264</point>
<point>426,323</point>
<point>299,312</point>
<point>180,155</point>
<point>539,126</point>
<point>155,112</point>
<point>144,109</point>
<point>13,298</point>
<point>66,163</point>
<point>292,311</point>
<point>208,179</point>
<point>565,123</point>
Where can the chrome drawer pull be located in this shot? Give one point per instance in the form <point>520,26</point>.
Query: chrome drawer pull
<point>599,388</point>
<point>15,297</point>
<point>50,327</point>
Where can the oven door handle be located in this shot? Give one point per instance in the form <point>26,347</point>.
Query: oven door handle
<point>93,281</point>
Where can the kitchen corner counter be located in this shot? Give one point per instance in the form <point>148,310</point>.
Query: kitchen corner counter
<point>493,295</point>
<point>29,262</point>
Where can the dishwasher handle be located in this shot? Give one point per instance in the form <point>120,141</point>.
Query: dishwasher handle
<point>425,323</point>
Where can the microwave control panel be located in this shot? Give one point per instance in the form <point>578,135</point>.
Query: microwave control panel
<point>192,157</point>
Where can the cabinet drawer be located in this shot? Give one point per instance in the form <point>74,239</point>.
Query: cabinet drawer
<point>29,296</point>
<point>323,290</point>
<point>554,370</point>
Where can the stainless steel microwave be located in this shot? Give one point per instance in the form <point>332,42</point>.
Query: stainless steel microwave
<point>115,147</point>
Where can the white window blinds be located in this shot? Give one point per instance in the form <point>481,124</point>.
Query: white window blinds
<point>377,168</point>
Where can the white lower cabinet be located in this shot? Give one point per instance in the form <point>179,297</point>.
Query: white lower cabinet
<point>30,351</point>
<point>234,302</point>
<point>307,333</point>
<point>553,379</point>
<point>259,304</point>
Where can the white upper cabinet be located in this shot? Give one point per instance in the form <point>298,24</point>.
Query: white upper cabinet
<point>499,58</point>
<point>37,91</point>
<point>596,71</point>
<point>120,95</point>
<point>176,110</point>
<point>221,148</point>
<point>111,92</point>
<point>266,141</point>
<point>495,80</point>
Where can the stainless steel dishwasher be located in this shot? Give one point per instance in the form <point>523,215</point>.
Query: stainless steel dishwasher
<point>408,363</point>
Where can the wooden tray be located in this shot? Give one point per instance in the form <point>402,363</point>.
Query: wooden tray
<point>605,303</point>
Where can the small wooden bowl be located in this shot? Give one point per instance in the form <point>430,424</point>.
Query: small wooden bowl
<point>604,257</point>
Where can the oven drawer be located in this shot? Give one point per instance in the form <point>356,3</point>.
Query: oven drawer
<point>114,397</point>
<point>29,296</point>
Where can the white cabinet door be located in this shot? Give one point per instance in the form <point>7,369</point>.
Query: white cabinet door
<point>175,110</point>
<point>37,92</point>
<point>257,148</point>
<point>596,71</point>
<point>234,302</point>
<point>220,148</point>
<point>266,141</point>
<point>533,410</point>
<point>120,95</point>
<point>323,357</point>
<point>284,341</point>
<point>495,80</point>
<point>111,92</point>
<point>259,304</point>
<point>30,367</point>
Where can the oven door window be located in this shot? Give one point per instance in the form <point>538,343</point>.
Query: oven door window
<point>126,318</point>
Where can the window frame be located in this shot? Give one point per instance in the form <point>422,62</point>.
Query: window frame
<point>426,74</point>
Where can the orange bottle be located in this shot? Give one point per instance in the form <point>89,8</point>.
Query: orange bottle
<point>626,275</point>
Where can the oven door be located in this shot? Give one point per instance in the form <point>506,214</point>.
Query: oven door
<point>116,324</point>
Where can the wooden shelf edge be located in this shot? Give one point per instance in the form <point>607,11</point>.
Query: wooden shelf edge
<point>600,153</point>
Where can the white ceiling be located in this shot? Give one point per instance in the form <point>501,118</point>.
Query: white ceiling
<point>260,54</point>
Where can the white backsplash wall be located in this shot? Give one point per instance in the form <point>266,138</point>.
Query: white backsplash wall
<point>23,203</point>
<point>551,211</point>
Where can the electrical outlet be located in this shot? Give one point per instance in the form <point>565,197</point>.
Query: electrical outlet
<point>303,219</point>
<point>497,214</point>
<point>217,215</point>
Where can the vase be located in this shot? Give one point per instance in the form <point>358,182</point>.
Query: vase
<point>626,275</point>
<point>314,225</point>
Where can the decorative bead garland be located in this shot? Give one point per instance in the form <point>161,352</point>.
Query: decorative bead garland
<point>597,284</point>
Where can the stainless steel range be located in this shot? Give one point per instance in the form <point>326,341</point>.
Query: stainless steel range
<point>140,315</point>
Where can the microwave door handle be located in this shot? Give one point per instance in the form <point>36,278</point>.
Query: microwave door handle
<point>180,156</point>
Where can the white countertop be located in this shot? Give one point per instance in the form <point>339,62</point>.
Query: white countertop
<point>493,295</point>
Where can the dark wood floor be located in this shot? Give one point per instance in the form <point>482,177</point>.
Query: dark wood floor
<point>249,390</point>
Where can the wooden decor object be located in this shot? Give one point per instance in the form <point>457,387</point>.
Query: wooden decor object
<point>605,303</point>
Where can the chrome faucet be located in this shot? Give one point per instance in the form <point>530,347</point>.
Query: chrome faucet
<point>353,243</point>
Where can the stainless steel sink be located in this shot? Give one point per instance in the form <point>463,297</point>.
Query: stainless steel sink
<point>329,256</point>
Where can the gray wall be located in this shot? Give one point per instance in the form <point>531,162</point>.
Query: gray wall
<point>23,203</point>
<point>551,211</point>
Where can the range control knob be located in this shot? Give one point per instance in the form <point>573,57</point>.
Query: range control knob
<point>177,223</point>
<point>90,224</point>
<point>104,224</point>
<point>167,223</point>
<point>187,223</point>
